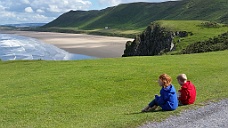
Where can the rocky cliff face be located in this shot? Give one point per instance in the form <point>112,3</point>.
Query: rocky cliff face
<point>155,40</point>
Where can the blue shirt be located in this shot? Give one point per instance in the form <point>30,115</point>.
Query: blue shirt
<point>168,98</point>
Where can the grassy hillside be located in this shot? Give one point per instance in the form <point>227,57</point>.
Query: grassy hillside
<point>136,16</point>
<point>103,92</point>
<point>197,28</point>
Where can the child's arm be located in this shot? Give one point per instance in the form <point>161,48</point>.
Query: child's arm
<point>159,99</point>
<point>183,95</point>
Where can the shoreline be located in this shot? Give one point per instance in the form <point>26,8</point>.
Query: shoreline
<point>90,45</point>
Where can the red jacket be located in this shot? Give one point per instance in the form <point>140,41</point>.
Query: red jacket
<point>187,93</point>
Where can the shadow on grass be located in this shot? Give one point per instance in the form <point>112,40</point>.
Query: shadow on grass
<point>155,111</point>
<point>135,113</point>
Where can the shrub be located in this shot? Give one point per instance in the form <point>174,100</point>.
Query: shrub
<point>210,24</point>
<point>216,44</point>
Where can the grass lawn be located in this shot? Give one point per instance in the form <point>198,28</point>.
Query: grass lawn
<point>103,92</point>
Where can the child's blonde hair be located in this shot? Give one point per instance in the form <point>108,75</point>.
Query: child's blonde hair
<point>165,79</point>
<point>182,77</point>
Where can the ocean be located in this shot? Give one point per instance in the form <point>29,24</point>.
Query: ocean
<point>13,47</point>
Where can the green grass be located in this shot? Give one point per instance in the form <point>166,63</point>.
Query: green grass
<point>200,33</point>
<point>102,92</point>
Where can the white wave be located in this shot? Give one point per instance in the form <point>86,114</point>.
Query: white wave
<point>13,47</point>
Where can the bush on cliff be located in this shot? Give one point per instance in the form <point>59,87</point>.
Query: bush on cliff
<point>213,44</point>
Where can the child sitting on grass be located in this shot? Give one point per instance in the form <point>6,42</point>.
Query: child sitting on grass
<point>187,93</point>
<point>168,98</point>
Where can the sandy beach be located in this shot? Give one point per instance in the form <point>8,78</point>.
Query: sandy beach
<point>91,45</point>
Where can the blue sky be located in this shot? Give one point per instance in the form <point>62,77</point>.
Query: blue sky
<point>44,11</point>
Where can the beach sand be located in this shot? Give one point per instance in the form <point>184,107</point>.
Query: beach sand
<point>91,45</point>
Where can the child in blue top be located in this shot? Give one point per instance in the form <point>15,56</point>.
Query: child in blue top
<point>168,98</point>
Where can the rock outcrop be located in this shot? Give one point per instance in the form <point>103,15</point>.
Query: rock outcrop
<point>155,40</point>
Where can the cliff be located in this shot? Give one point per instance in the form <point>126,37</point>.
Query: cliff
<point>155,40</point>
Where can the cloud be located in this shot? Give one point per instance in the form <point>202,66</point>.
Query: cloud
<point>59,6</point>
<point>2,8</point>
<point>29,9</point>
<point>116,2</point>
<point>25,1</point>
<point>110,2</point>
<point>7,15</point>
<point>19,11</point>
<point>40,11</point>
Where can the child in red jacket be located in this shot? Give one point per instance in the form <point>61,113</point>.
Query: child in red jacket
<point>187,93</point>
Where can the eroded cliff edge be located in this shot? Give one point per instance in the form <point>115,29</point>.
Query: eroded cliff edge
<point>155,40</point>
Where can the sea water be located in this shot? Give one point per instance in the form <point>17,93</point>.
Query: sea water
<point>13,47</point>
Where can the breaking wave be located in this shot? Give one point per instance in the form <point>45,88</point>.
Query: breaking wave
<point>13,47</point>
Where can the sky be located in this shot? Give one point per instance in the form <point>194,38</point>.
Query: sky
<point>44,11</point>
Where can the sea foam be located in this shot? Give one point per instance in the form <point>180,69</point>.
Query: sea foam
<point>13,47</point>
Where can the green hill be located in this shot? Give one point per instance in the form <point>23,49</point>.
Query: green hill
<point>139,15</point>
<point>103,93</point>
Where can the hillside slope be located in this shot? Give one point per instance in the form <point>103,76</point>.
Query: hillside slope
<point>139,15</point>
<point>102,93</point>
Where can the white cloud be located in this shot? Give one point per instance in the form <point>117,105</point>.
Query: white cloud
<point>19,11</point>
<point>2,8</point>
<point>25,1</point>
<point>7,15</point>
<point>29,9</point>
<point>54,6</point>
<point>40,11</point>
<point>110,2</point>
<point>116,2</point>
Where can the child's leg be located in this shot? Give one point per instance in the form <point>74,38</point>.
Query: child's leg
<point>146,109</point>
<point>152,103</point>
<point>151,106</point>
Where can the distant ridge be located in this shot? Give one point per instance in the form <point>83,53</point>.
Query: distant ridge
<point>140,15</point>
<point>25,25</point>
